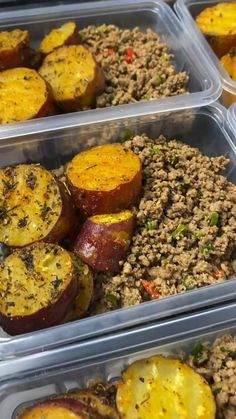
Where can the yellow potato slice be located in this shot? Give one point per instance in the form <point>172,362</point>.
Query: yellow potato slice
<point>162,387</point>
<point>67,34</point>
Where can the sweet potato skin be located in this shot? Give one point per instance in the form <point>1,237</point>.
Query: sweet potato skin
<point>67,406</point>
<point>103,245</point>
<point>14,50</point>
<point>74,76</point>
<point>98,197</point>
<point>67,34</point>
<point>53,310</point>
<point>217,23</point>
<point>32,96</point>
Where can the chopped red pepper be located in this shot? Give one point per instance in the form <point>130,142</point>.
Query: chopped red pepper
<point>150,288</point>
<point>111,51</point>
<point>129,55</point>
<point>218,273</point>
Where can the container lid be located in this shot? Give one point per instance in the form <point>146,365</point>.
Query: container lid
<point>182,9</point>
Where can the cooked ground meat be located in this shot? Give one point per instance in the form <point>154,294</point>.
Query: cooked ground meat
<point>186,226</point>
<point>217,363</point>
<point>137,65</point>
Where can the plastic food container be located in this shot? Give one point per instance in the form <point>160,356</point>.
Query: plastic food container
<point>187,10</point>
<point>206,128</point>
<point>34,378</point>
<point>232,118</point>
<point>204,84</point>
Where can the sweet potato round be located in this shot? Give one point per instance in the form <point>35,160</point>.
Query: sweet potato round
<point>105,179</point>
<point>33,206</point>
<point>24,94</point>
<point>217,23</point>
<point>14,49</point>
<point>37,286</point>
<point>74,76</point>
<point>84,295</point>
<point>104,240</point>
<point>67,34</point>
<point>61,408</point>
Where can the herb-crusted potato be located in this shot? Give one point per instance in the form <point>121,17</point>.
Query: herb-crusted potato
<point>218,24</point>
<point>14,49</point>
<point>24,94</point>
<point>33,206</point>
<point>162,387</point>
<point>105,179</point>
<point>75,77</point>
<point>67,34</point>
<point>37,285</point>
<point>104,240</point>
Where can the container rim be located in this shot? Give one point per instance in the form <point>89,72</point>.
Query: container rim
<point>182,11</point>
<point>98,115</point>
<point>231,116</point>
<point>114,346</point>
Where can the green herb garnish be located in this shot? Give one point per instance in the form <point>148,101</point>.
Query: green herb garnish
<point>207,249</point>
<point>155,150</point>
<point>150,224</point>
<point>179,230</point>
<point>198,355</point>
<point>173,160</point>
<point>112,299</point>
<point>214,219</point>
<point>216,391</point>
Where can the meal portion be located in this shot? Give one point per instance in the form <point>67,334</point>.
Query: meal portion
<point>120,224</point>
<point>218,24</point>
<point>199,386</point>
<point>74,70</point>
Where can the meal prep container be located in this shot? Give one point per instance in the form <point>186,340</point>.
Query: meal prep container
<point>187,10</point>
<point>34,378</point>
<point>232,118</point>
<point>206,128</point>
<point>204,83</point>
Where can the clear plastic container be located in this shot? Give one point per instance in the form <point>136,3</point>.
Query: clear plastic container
<point>206,128</point>
<point>232,118</point>
<point>33,378</point>
<point>187,10</point>
<point>204,83</point>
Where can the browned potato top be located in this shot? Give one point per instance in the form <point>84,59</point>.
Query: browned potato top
<point>34,278</point>
<point>30,204</point>
<point>218,20</point>
<point>10,40</point>
<point>103,168</point>
<point>23,93</point>
<point>59,37</point>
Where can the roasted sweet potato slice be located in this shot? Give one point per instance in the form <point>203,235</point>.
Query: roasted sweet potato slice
<point>218,24</point>
<point>104,240</point>
<point>74,76</point>
<point>164,387</point>
<point>84,295</point>
<point>24,94</point>
<point>37,286</point>
<point>96,403</point>
<point>105,179</point>
<point>61,408</point>
<point>33,206</point>
<point>14,49</point>
<point>67,34</point>
<point>229,62</point>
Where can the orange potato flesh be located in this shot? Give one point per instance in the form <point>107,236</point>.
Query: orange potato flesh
<point>14,49</point>
<point>23,95</point>
<point>37,287</point>
<point>105,179</point>
<point>74,76</point>
<point>33,206</point>
<point>104,240</point>
<point>58,409</point>
<point>218,24</point>
<point>67,34</point>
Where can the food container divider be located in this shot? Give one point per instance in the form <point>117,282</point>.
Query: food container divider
<point>206,128</point>
<point>34,378</point>
<point>187,10</point>
<point>204,83</point>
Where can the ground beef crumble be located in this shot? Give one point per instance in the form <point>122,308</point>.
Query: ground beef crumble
<point>137,65</point>
<point>218,366</point>
<point>175,247</point>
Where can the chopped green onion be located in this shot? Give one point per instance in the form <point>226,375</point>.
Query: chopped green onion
<point>112,299</point>
<point>155,150</point>
<point>198,348</point>
<point>146,97</point>
<point>179,230</point>
<point>150,224</point>
<point>198,355</point>
<point>173,160</point>
<point>158,80</point>
<point>127,135</point>
<point>223,349</point>
<point>206,250</point>
<point>216,391</point>
<point>214,219</point>
<point>164,56</point>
